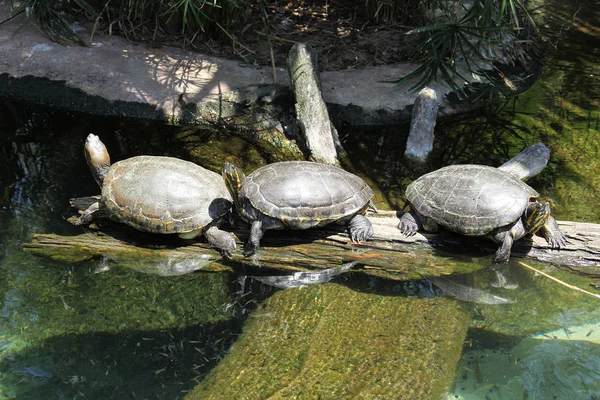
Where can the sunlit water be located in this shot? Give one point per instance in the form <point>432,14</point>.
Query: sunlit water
<point>98,331</point>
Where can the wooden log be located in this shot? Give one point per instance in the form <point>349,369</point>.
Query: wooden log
<point>311,110</point>
<point>420,137</point>
<point>529,162</point>
<point>389,254</point>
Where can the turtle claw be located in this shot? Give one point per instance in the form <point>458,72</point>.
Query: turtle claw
<point>228,251</point>
<point>360,236</point>
<point>557,242</point>
<point>551,232</point>
<point>500,259</point>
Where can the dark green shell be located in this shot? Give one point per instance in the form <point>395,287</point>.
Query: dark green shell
<point>164,194</point>
<point>470,199</point>
<point>303,194</point>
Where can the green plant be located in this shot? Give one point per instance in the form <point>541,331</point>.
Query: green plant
<point>135,19</point>
<point>50,21</point>
<point>461,35</point>
<point>389,12</point>
<point>189,19</point>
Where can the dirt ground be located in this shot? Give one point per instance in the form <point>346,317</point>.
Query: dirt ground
<point>340,31</point>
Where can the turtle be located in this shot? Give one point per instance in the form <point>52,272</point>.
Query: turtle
<point>299,195</point>
<point>159,194</point>
<point>478,200</point>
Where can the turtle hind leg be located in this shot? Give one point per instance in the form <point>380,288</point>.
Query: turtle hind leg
<point>551,232</point>
<point>94,211</point>
<point>360,228</point>
<point>222,241</point>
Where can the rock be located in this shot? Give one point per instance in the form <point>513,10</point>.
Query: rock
<point>310,343</point>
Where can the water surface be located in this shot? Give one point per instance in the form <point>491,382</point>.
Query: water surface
<point>96,330</point>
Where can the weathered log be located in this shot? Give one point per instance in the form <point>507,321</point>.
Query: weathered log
<point>311,109</point>
<point>529,162</point>
<point>389,254</point>
<point>422,125</point>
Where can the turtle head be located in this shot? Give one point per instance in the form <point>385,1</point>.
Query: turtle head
<point>234,177</point>
<point>97,158</point>
<point>535,216</point>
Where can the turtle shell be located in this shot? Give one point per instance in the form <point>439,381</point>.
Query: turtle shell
<point>470,199</point>
<point>164,194</point>
<point>303,194</point>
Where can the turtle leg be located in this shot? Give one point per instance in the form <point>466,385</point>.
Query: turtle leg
<point>222,241</point>
<point>359,228</point>
<point>412,222</point>
<point>504,236</point>
<point>257,230</point>
<point>256,233</point>
<point>88,215</point>
<point>550,231</point>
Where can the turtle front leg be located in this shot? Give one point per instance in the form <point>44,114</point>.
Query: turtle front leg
<point>256,233</point>
<point>411,222</point>
<point>360,228</point>
<point>550,231</point>
<point>222,241</point>
<point>504,237</point>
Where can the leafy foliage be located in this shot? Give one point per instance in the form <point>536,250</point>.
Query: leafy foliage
<point>49,20</point>
<point>134,18</point>
<point>460,35</point>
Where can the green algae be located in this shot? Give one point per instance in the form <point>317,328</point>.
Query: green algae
<point>331,342</point>
<point>44,299</point>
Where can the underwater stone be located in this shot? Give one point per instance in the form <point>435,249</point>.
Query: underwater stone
<point>332,342</point>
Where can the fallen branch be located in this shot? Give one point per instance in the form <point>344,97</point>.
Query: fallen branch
<point>388,254</point>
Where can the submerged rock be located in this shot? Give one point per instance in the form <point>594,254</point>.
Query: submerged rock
<point>329,341</point>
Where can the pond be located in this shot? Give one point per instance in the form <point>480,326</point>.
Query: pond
<point>96,330</point>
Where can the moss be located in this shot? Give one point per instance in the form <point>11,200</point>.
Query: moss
<point>329,341</point>
<point>44,299</point>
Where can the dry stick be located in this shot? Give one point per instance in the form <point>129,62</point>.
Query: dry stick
<point>559,281</point>
<point>97,22</point>
<point>266,25</point>
<point>280,39</point>
<point>235,42</point>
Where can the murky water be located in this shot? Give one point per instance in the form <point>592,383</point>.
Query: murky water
<point>95,330</point>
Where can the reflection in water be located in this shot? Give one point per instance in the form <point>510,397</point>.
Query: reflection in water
<point>301,279</point>
<point>470,294</point>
